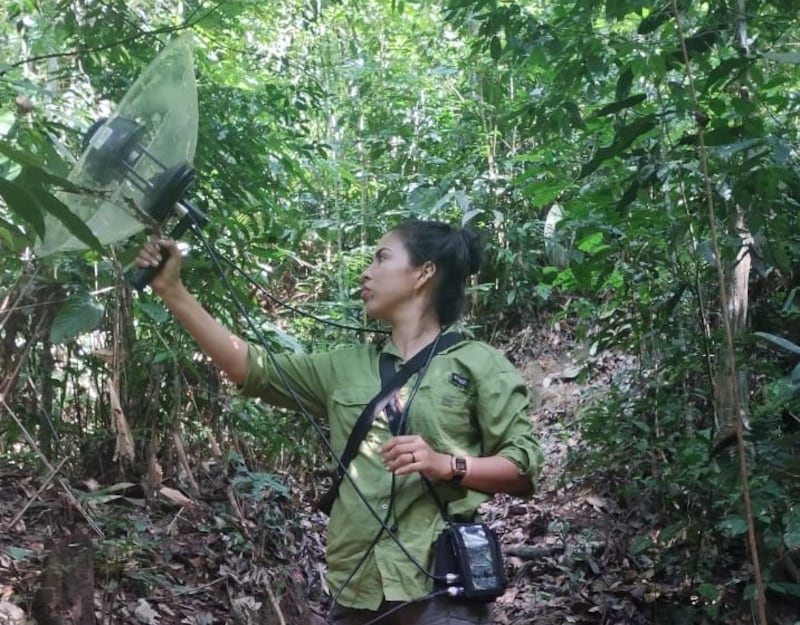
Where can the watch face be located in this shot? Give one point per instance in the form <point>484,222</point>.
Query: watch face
<point>461,465</point>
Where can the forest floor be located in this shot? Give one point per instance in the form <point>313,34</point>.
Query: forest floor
<point>242,549</point>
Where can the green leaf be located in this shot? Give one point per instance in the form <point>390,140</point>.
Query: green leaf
<point>624,138</point>
<point>511,296</point>
<point>640,544</point>
<point>80,313</point>
<point>20,156</point>
<point>708,591</point>
<point>789,306</point>
<point>616,10</point>
<point>672,531</point>
<point>776,254</point>
<point>722,135</point>
<point>620,105</point>
<point>592,243</point>
<point>71,221</point>
<point>624,83</point>
<point>727,70</point>
<point>496,48</point>
<point>285,339</point>
<point>13,229</point>
<point>157,312</point>
<point>733,526</point>
<point>542,191</point>
<point>782,151</point>
<point>654,20</point>
<point>34,170</point>
<point>785,588</point>
<point>794,376</point>
<point>733,148</point>
<point>7,119</point>
<point>779,341</point>
<point>167,356</point>
<point>782,57</point>
<point>628,196</point>
<point>23,204</point>
<point>18,553</point>
<point>43,177</point>
<point>573,112</point>
<point>791,533</point>
<point>257,483</point>
<point>469,215</point>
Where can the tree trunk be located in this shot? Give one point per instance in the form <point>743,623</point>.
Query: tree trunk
<point>728,383</point>
<point>66,593</point>
<point>45,400</point>
<point>732,378</point>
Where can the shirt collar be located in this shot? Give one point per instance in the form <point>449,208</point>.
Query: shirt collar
<point>390,348</point>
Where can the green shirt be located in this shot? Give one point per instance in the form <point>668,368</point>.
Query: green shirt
<point>471,402</point>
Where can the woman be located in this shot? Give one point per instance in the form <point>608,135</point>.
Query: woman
<point>466,432</point>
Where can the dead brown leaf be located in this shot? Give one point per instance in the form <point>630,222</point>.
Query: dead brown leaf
<point>176,496</point>
<point>144,613</point>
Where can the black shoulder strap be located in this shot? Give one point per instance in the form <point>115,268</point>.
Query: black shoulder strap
<point>388,388</point>
<point>394,414</point>
<point>378,403</point>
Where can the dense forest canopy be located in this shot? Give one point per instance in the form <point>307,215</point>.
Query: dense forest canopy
<point>632,167</point>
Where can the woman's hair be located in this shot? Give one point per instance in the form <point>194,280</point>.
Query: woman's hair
<point>457,254</point>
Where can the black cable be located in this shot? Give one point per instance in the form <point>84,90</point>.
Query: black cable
<point>301,407</point>
<point>215,258</point>
<point>289,306</point>
<point>366,553</point>
<point>431,595</point>
<point>389,512</point>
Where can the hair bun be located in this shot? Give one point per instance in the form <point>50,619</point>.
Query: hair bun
<point>475,248</point>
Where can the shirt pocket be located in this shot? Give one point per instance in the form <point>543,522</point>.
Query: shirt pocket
<point>446,418</point>
<point>345,407</point>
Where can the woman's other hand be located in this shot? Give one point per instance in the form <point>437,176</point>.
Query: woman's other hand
<point>408,454</point>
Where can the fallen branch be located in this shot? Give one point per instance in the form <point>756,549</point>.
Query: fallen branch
<point>531,553</point>
<point>184,462</point>
<point>38,492</point>
<point>238,510</point>
<point>170,531</point>
<point>197,589</point>
<point>274,603</point>
<point>61,482</point>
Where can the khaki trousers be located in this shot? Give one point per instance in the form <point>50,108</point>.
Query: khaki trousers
<point>436,611</point>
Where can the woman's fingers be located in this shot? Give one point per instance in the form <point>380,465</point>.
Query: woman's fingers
<point>404,455</point>
<point>150,253</point>
<point>153,253</point>
<point>403,448</point>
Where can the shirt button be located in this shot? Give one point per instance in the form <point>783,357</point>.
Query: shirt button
<point>384,506</point>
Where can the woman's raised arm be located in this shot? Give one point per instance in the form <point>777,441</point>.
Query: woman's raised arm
<point>227,350</point>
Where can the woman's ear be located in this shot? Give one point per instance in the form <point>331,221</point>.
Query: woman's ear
<point>427,271</point>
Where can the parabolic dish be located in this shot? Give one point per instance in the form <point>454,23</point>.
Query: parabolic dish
<point>163,101</point>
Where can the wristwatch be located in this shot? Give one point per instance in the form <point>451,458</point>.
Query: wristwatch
<point>459,466</point>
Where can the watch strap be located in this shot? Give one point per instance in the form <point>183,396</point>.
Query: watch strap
<point>459,466</point>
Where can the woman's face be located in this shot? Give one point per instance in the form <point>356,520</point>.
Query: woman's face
<point>390,280</point>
